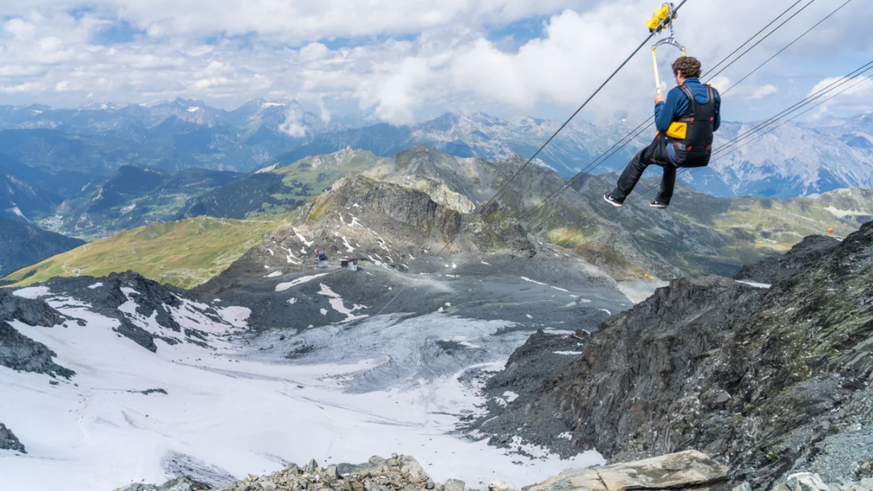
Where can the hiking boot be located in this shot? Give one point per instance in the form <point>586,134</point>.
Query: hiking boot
<point>658,204</point>
<point>614,202</point>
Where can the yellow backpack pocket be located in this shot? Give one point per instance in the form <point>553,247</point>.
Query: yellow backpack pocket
<point>677,130</point>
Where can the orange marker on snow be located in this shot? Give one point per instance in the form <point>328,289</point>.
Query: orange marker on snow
<point>830,230</point>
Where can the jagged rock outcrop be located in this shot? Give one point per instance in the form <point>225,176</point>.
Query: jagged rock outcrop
<point>768,380</point>
<point>18,351</point>
<point>150,298</point>
<point>398,203</point>
<point>154,302</point>
<point>681,471</point>
<point>8,440</point>
<point>385,223</point>
<point>779,268</point>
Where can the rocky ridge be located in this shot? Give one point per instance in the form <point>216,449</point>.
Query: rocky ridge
<point>771,380</point>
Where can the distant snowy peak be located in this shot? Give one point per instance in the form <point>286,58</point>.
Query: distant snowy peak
<point>100,106</point>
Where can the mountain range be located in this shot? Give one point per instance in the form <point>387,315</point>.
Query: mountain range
<point>796,159</point>
<point>698,234</point>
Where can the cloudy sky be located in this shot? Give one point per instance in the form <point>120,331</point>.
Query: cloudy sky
<point>400,61</point>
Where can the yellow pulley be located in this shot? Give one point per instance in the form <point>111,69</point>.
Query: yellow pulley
<point>663,19</point>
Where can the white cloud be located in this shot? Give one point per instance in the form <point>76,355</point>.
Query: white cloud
<point>763,91</point>
<point>721,83</point>
<point>854,94</point>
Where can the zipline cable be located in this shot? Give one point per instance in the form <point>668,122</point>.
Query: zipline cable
<point>726,148</point>
<point>810,98</point>
<point>600,159</point>
<point>554,135</point>
<point>762,135</point>
<point>789,44</point>
<point>764,38</point>
<point>803,34</point>
<point>756,35</point>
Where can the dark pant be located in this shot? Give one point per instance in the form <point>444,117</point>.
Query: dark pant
<point>656,153</point>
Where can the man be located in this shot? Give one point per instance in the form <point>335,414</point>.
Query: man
<point>685,122</point>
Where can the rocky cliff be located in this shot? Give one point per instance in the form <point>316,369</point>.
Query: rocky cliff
<point>19,352</point>
<point>769,379</point>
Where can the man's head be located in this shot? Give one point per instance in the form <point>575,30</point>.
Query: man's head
<point>684,68</point>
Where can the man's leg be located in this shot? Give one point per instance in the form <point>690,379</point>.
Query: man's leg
<point>667,184</point>
<point>632,173</point>
<point>660,156</point>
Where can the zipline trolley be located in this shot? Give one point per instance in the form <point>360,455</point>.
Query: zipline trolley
<point>663,19</point>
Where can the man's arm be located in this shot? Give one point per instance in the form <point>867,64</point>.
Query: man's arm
<point>665,112</point>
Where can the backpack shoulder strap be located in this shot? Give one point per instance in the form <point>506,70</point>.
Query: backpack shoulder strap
<point>692,102</point>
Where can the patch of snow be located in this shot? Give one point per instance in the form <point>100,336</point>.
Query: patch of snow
<point>266,169</point>
<point>99,435</point>
<point>605,310</point>
<point>193,109</point>
<point>96,285</point>
<point>486,264</point>
<point>281,287</point>
<point>568,353</point>
<point>336,302</point>
<point>510,396</point>
<point>291,258</point>
<point>32,292</point>
<point>528,316</point>
<point>565,436</point>
<point>754,284</point>
<point>323,311</point>
<point>561,289</point>
<point>303,239</point>
<point>292,300</point>
<point>532,281</point>
<point>378,263</point>
<point>349,247</point>
<point>274,274</point>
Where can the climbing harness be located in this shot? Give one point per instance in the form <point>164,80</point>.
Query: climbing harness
<point>663,19</point>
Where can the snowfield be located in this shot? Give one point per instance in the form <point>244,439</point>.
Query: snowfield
<point>232,408</point>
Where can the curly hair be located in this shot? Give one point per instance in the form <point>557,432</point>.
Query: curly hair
<point>689,66</point>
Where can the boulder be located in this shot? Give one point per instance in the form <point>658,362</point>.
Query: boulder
<point>454,485</point>
<point>806,481</point>
<point>688,469</point>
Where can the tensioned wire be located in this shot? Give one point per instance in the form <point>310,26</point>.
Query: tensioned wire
<point>482,207</point>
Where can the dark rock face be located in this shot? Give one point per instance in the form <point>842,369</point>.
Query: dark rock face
<point>8,440</point>
<point>517,385</point>
<point>779,268</point>
<point>765,380</point>
<point>19,352</point>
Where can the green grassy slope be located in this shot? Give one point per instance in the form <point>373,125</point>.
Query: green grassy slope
<point>185,253</point>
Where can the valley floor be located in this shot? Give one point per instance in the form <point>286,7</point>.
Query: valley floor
<point>245,408</point>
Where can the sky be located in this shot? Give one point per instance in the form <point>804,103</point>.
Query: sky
<point>401,61</point>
